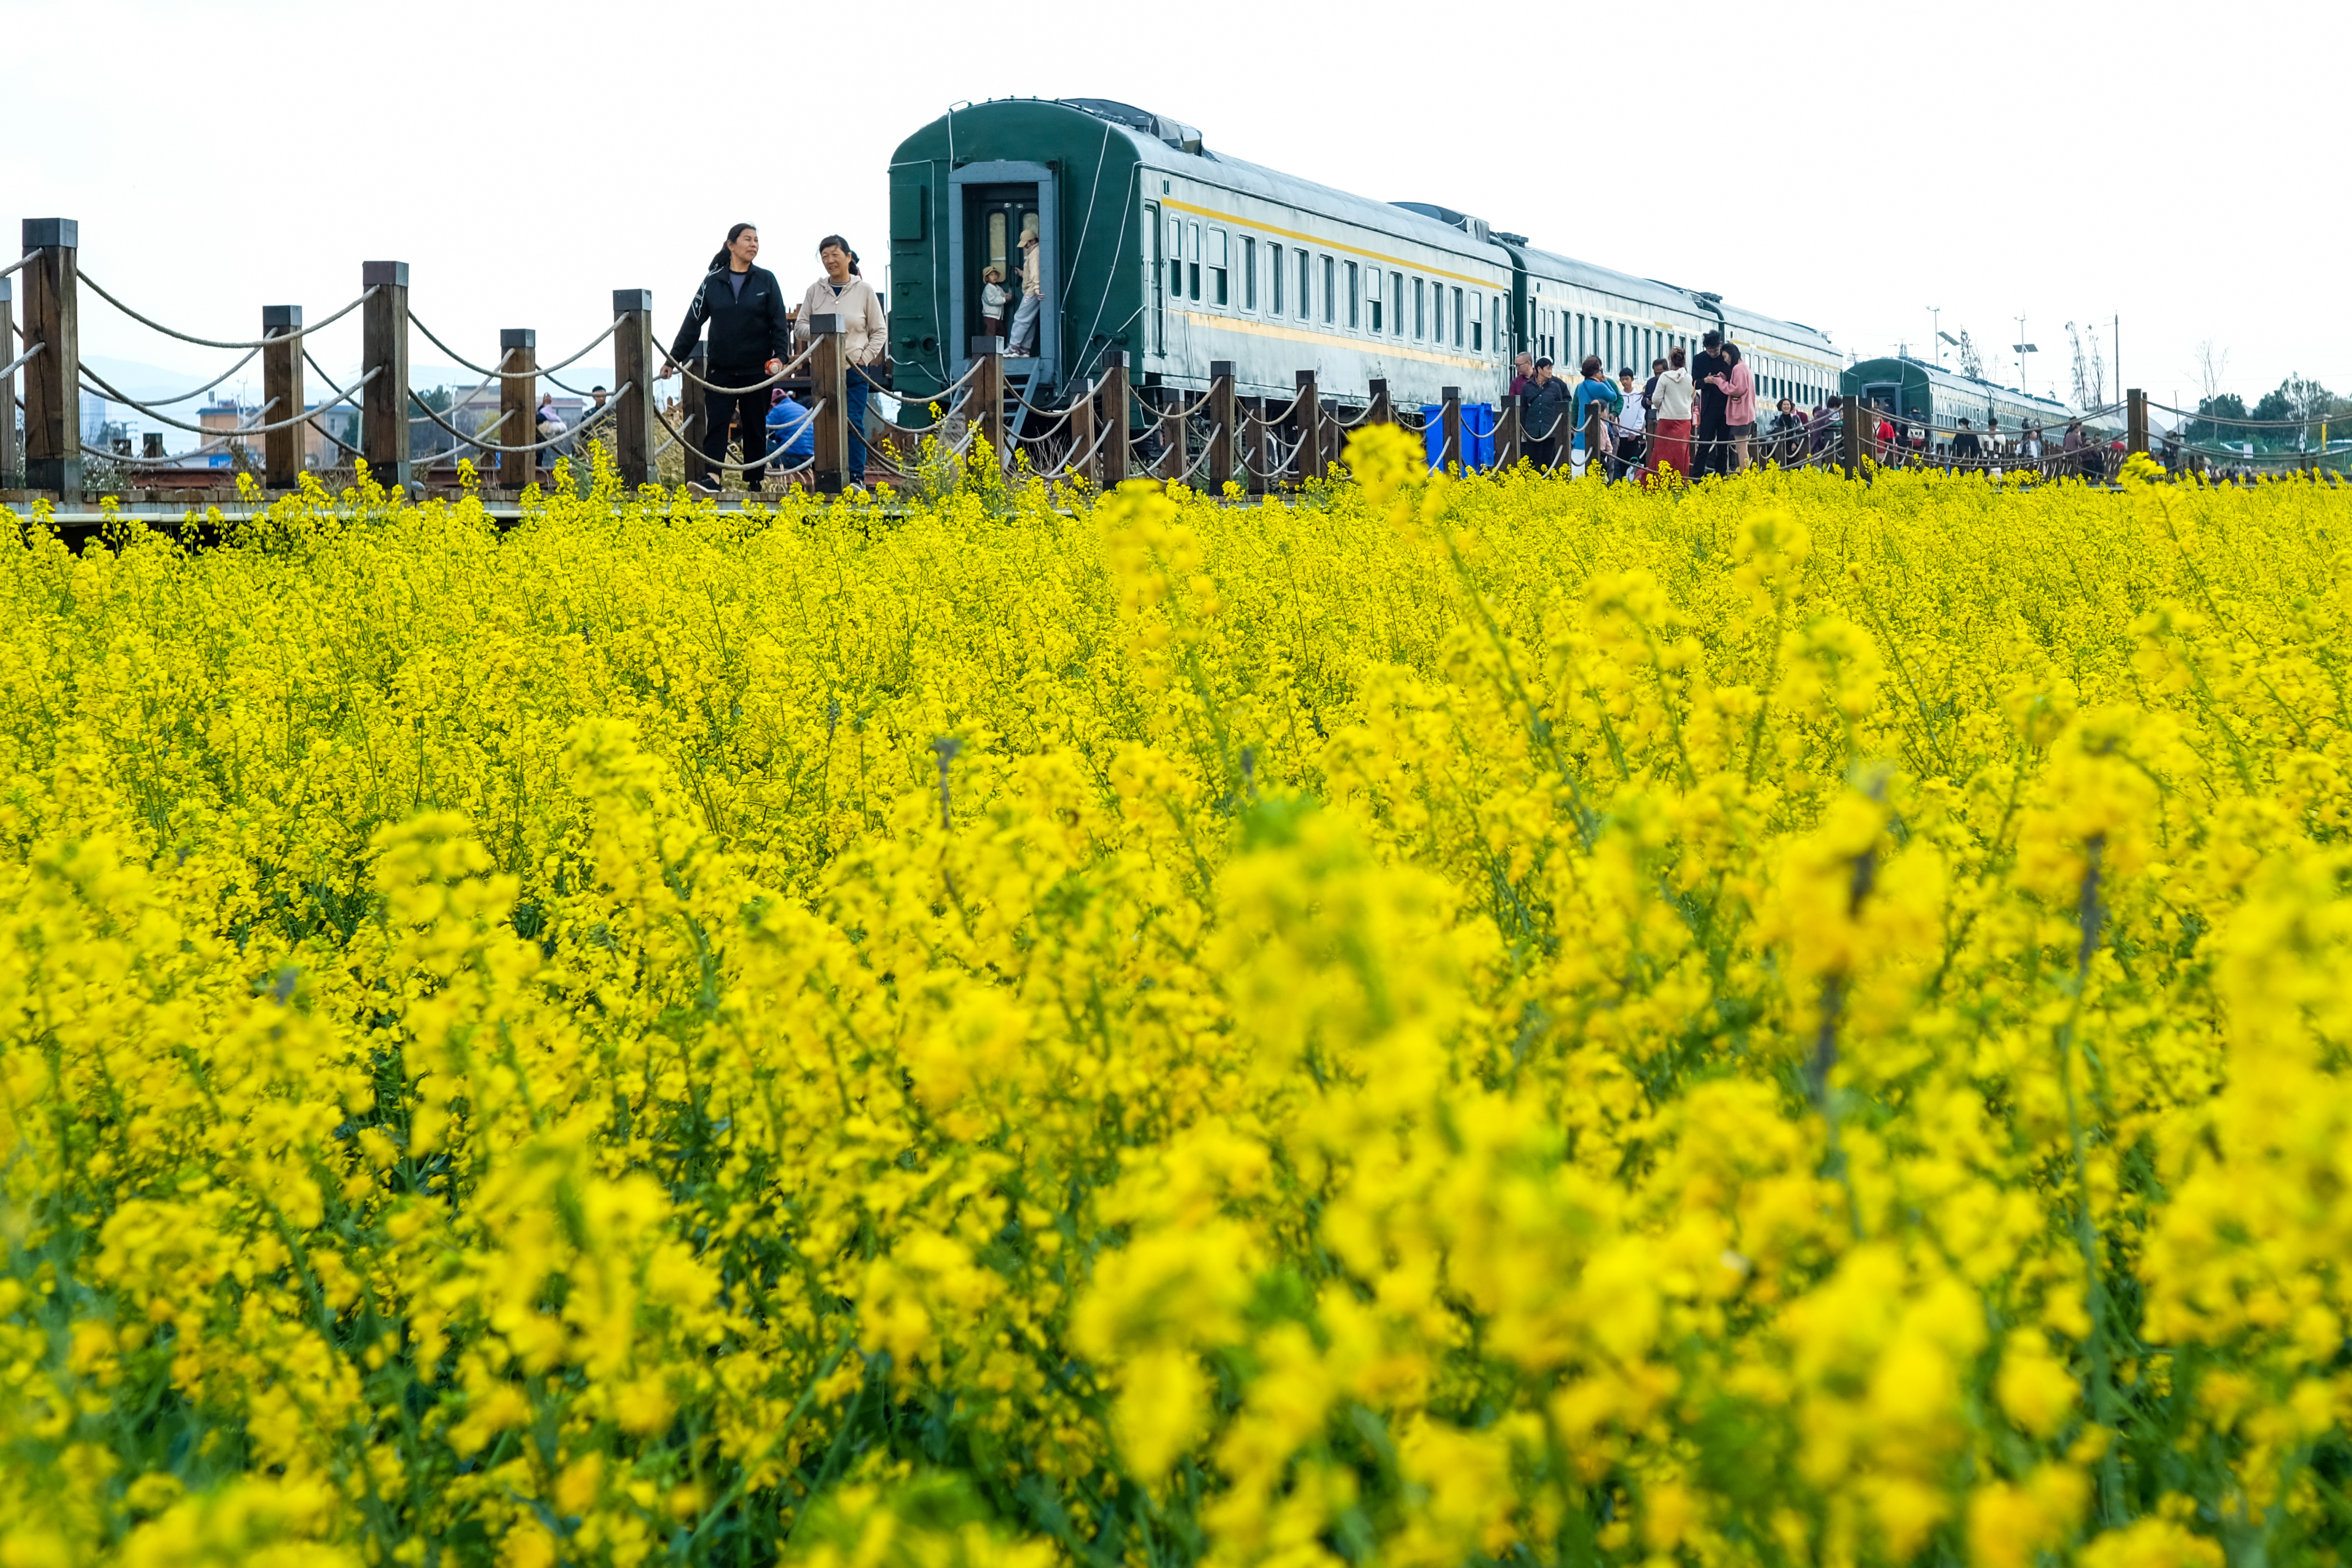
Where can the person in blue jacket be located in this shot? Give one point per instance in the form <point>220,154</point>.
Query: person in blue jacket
<point>791,432</point>
<point>1594,388</point>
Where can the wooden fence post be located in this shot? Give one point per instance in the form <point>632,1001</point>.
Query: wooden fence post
<point>1081,434</point>
<point>1175,443</point>
<point>632,384</point>
<point>281,396</point>
<point>1507,432</point>
<point>829,385</point>
<point>384,406</point>
<point>12,466</point>
<point>1308,412</point>
<point>1852,435</point>
<point>52,378</point>
<point>1254,462</point>
<point>518,405</point>
<point>988,393</point>
<point>698,413</point>
<point>1450,448</point>
<point>1113,466</point>
<point>1596,438</point>
<point>1380,413</point>
<point>2135,420</point>
<point>1221,425</point>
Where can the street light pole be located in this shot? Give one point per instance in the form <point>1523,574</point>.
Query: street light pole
<point>1935,331</point>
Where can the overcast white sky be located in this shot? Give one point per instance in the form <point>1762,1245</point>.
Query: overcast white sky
<point>1847,165</point>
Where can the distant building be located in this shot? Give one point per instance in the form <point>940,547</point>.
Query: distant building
<point>218,419</point>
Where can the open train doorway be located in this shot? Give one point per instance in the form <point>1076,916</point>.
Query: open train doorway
<point>996,203</point>
<point>996,217</point>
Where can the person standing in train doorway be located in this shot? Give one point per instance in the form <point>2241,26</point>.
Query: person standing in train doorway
<point>1707,373</point>
<point>1033,296</point>
<point>842,291</point>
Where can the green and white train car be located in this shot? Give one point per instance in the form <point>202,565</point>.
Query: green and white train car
<point>1571,308</point>
<point>1152,244</point>
<point>1920,394</point>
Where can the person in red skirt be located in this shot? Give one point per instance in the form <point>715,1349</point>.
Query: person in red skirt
<point>1670,446</point>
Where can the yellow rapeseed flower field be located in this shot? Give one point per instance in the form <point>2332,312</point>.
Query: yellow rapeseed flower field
<point>1428,1023</point>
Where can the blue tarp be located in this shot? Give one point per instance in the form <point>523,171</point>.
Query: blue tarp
<point>1477,433</point>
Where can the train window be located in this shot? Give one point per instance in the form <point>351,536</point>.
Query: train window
<point>1193,255</point>
<point>1355,295</point>
<point>1501,336</point>
<point>1457,319</point>
<point>1219,294</point>
<point>1477,322</point>
<point>1274,275</point>
<point>1396,304</point>
<point>1249,273</point>
<point>1420,312</point>
<point>1330,291</point>
<point>1175,258</point>
<point>1373,298</point>
<point>1306,281</point>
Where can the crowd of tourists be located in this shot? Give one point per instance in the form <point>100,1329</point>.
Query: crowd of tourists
<point>1697,415</point>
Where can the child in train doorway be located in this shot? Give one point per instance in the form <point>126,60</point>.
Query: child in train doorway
<point>993,300</point>
<point>1032,296</point>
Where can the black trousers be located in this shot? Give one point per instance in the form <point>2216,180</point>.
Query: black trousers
<point>749,410</point>
<point>1711,452</point>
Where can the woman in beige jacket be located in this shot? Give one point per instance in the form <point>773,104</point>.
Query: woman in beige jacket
<point>842,291</point>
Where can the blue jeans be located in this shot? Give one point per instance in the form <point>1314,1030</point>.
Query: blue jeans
<point>857,389</point>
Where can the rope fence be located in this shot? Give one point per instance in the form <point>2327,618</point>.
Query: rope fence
<point>292,332</point>
<point>513,375</point>
<point>1189,432</point>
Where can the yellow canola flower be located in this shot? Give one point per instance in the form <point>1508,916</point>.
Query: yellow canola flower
<point>1432,1020</point>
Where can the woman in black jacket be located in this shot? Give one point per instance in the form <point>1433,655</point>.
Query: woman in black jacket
<point>751,337</point>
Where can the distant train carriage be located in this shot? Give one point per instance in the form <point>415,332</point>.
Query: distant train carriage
<point>1929,397</point>
<point>1150,243</point>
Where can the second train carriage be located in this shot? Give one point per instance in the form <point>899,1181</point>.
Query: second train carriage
<point>1151,243</point>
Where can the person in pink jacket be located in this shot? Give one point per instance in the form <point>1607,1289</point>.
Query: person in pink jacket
<point>1738,389</point>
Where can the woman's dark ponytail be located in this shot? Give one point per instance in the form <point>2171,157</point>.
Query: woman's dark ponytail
<point>732,236</point>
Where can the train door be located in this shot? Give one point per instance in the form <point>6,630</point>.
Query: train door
<point>995,217</point>
<point>994,204</point>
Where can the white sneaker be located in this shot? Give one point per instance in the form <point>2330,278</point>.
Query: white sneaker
<point>699,489</point>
